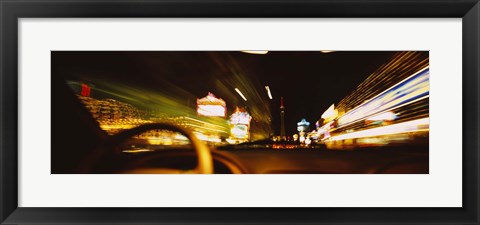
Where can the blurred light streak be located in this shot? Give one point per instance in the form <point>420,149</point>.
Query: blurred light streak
<point>404,92</point>
<point>206,128</point>
<point>255,52</point>
<point>402,65</point>
<point>137,150</point>
<point>240,93</point>
<point>396,107</point>
<point>207,138</point>
<point>268,92</point>
<point>410,126</point>
<point>326,51</point>
<point>200,121</point>
<point>383,116</point>
<point>330,113</point>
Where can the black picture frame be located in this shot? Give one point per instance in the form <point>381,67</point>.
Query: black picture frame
<point>12,10</point>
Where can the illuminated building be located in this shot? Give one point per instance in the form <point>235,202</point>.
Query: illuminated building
<point>112,115</point>
<point>399,67</point>
<point>391,106</point>
<point>282,119</point>
<point>240,126</point>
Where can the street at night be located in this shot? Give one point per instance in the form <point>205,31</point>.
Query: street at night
<point>241,112</point>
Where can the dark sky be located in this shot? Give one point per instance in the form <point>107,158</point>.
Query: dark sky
<point>309,81</point>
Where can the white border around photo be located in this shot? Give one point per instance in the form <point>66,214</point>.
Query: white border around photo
<point>442,187</point>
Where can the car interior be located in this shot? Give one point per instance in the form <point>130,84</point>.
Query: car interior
<point>88,149</point>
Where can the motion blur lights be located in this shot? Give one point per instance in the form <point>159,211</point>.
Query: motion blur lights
<point>308,141</point>
<point>136,150</point>
<point>383,116</point>
<point>330,113</point>
<point>268,91</point>
<point>240,93</point>
<point>399,128</point>
<point>256,52</point>
<point>302,139</point>
<point>326,51</point>
<point>207,138</point>
<point>405,92</point>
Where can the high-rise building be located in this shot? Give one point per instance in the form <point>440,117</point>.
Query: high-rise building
<point>282,119</point>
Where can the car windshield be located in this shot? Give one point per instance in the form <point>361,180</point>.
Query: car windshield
<point>230,100</point>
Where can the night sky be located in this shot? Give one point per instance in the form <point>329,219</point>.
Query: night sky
<point>309,81</point>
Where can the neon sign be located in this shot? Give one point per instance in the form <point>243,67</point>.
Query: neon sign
<point>211,106</point>
<point>240,118</point>
<point>85,90</point>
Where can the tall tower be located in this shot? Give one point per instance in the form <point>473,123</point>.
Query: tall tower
<point>282,119</point>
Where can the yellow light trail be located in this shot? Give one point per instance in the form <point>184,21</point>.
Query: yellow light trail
<point>207,128</point>
<point>200,121</point>
<point>137,150</point>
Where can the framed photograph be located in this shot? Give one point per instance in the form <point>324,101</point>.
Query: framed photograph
<point>239,112</point>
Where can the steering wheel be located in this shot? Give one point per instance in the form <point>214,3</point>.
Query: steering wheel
<point>204,160</point>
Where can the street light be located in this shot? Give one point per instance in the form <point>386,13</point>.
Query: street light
<point>268,91</point>
<point>256,52</point>
<point>240,93</point>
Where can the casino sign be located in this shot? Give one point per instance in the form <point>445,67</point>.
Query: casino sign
<point>211,106</point>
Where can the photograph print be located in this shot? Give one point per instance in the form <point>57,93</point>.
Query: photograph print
<point>240,112</point>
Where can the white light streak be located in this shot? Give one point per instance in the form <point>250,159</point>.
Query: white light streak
<point>396,107</point>
<point>405,127</point>
<point>388,89</point>
<point>382,103</point>
<point>383,116</point>
<point>255,52</point>
<point>268,91</point>
<point>240,93</point>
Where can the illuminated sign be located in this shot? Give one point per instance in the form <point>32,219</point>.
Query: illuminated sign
<point>85,90</point>
<point>240,118</point>
<point>240,121</point>
<point>303,125</point>
<point>240,131</point>
<point>211,106</point>
<point>211,110</point>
